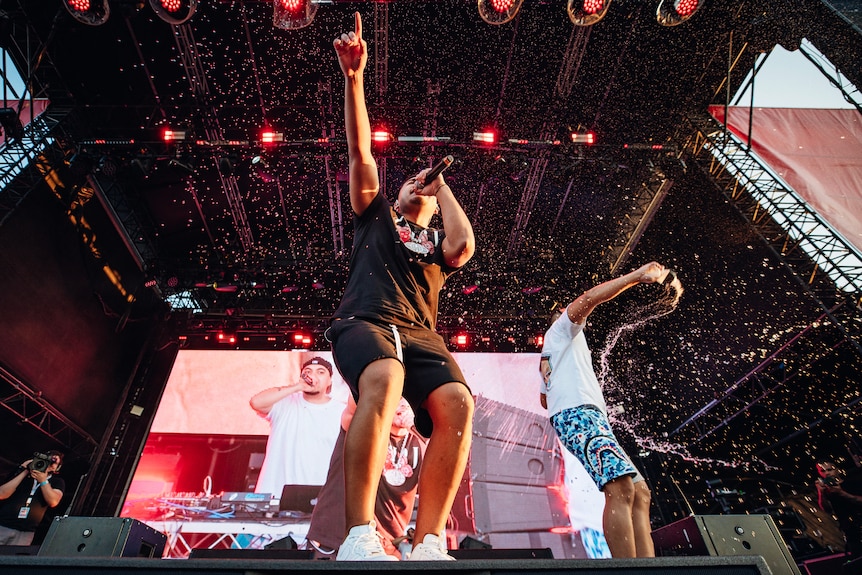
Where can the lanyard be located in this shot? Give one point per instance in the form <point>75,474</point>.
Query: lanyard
<point>36,485</point>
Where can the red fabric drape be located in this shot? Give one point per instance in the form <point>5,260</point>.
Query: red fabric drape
<point>817,152</point>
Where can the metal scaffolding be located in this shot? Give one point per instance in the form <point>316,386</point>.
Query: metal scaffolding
<point>822,261</point>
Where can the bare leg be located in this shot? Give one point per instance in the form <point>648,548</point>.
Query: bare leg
<point>617,518</point>
<point>380,387</point>
<point>451,410</point>
<point>640,521</point>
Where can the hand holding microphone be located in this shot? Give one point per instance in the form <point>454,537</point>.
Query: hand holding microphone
<point>307,379</point>
<point>435,171</point>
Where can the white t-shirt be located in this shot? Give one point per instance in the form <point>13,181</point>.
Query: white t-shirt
<point>573,381</point>
<point>301,439</point>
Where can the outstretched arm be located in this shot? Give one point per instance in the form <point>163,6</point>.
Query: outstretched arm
<point>579,309</point>
<point>352,52</point>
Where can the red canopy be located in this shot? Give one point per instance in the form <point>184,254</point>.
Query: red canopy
<point>817,152</point>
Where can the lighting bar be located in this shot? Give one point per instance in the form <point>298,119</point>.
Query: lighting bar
<point>423,139</point>
<point>523,142</point>
<point>170,135</point>
<point>271,137</point>
<point>485,137</point>
<point>588,138</point>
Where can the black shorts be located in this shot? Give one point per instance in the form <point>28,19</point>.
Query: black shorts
<point>356,343</point>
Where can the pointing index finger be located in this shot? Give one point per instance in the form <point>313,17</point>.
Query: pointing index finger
<point>358,25</point>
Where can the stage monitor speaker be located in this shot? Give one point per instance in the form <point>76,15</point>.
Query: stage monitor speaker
<point>102,537</point>
<point>727,535</point>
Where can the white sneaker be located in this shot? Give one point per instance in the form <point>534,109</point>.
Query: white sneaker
<point>431,549</point>
<point>363,544</point>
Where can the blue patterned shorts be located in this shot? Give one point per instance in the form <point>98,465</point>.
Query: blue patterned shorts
<point>586,432</point>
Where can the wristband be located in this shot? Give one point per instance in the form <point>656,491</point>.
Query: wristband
<point>440,188</point>
<point>43,483</point>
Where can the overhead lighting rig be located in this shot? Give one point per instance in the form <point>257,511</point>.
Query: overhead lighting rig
<point>89,12</point>
<point>498,12</point>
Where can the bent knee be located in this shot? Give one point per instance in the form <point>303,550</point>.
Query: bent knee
<point>451,401</point>
<point>643,495</point>
<point>620,488</point>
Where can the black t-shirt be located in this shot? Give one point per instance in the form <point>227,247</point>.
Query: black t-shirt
<point>9,508</point>
<point>396,270</point>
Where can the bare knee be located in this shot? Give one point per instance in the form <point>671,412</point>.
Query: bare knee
<point>381,383</point>
<point>642,498</point>
<point>451,405</point>
<point>621,489</point>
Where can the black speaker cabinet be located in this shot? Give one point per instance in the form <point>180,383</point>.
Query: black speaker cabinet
<point>500,462</point>
<point>727,535</point>
<point>102,537</point>
<point>483,507</point>
<point>511,425</point>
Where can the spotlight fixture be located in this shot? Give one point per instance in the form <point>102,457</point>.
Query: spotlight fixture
<point>675,12</point>
<point>89,12</point>
<point>293,14</point>
<point>302,340</point>
<point>460,340</point>
<point>587,12</point>
<point>499,11</point>
<point>174,11</point>
<point>260,167</point>
<point>170,135</point>
<point>486,137</point>
<point>584,138</point>
<point>381,136</point>
<point>270,136</point>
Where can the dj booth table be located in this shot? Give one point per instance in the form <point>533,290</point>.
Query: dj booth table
<point>185,535</point>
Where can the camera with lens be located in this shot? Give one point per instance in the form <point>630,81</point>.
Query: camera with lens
<point>40,462</point>
<point>832,481</point>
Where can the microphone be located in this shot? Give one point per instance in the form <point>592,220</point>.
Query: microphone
<point>439,167</point>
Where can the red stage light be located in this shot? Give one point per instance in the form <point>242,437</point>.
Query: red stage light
<point>460,340</point>
<point>498,11</point>
<point>540,340</point>
<point>675,12</point>
<point>502,5</point>
<point>686,8</point>
<point>171,135</point>
<point>381,136</point>
<point>302,340</point>
<point>593,6</point>
<point>171,5</point>
<point>589,138</point>
<point>269,136</point>
<point>227,338</point>
<point>587,12</point>
<point>486,137</point>
<point>89,12</point>
<point>292,5</point>
<point>174,12</point>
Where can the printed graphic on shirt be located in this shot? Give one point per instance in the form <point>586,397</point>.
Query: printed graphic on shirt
<point>422,241</point>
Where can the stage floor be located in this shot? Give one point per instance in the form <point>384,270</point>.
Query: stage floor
<point>35,565</point>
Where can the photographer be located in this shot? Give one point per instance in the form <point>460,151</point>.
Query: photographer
<point>841,495</point>
<point>27,495</point>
